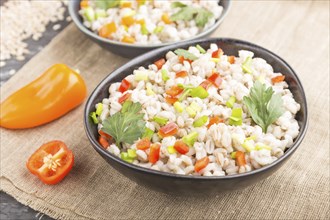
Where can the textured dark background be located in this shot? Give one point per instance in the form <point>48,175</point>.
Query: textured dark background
<point>9,207</point>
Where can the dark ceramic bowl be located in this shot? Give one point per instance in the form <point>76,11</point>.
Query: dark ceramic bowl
<point>133,50</point>
<point>188,185</point>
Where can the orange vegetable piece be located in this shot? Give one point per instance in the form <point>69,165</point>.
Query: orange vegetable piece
<point>107,30</point>
<point>278,79</point>
<point>126,5</point>
<point>168,130</point>
<point>51,162</point>
<point>103,134</point>
<point>154,153</point>
<point>231,59</point>
<point>201,164</point>
<point>128,21</point>
<point>174,91</point>
<point>181,147</point>
<point>215,120</point>
<point>103,142</point>
<point>124,86</point>
<point>170,100</point>
<point>159,63</point>
<point>240,158</point>
<point>217,54</point>
<point>83,4</point>
<point>143,144</point>
<point>181,74</point>
<point>123,98</point>
<point>215,79</point>
<point>181,59</point>
<point>128,39</point>
<point>166,19</point>
<point>57,91</point>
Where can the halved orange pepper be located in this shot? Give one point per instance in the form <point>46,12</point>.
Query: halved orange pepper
<point>53,94</point>
<point>51,162</point>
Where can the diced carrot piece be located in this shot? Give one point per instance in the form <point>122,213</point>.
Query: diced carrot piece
<point>215,79</point>
<point>217,54</point>
<point>124,86</point>
<point>168,130</point>
<point>128,21</point>
<point>174,91</point>
<point>215,120</point>
<point>181,147</point>
<point>170,100</point>
<point>240,158</point>
<point>143,144</point>
<point>181,74</point>
<point>201,164</point>
<point>278,79</point>
<point>126,5</point>
<point>83,4</point>
<point>103,142</point>
<point>231,59</point>
<point>166,19</point>
<point>124,98</point>
<point>154,153</point>
<point>107,30</point>
<point>181,59</point>
<point>128,39</point>
<point>159,63</point>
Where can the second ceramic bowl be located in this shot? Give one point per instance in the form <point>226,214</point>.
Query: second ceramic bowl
<point>131,50</point>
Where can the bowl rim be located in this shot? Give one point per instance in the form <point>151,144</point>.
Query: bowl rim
<point>104,152</point>
<point>91,34</point>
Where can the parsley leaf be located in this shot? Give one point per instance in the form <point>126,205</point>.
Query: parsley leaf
<point>186,54</point>
<point>178,5</point>
<point>264,106</point>
<point>202,17</point>
<point>127,125</point>
<point>106,4</point>
<point>187,13</point>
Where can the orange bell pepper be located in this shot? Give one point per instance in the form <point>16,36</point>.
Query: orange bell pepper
<point>240,158</point>
<point>278,79</point>
<point>107,30</point>
<point>53,94</point>
<point>166,19</point>
<point>201,164</point>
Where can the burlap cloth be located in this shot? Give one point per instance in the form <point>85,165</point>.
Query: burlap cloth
<point>297,31</point>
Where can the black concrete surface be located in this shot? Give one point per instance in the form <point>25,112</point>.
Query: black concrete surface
<point>10,209</point>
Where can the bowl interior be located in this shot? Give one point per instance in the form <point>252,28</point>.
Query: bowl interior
<point>74,6</point>
<point>230,47</point>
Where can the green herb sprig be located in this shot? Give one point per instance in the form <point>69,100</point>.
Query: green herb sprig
<point>186,54</point>
<point>187,13</point>
<point>106,4</point>
<point>264,106</point>
<point>178,5</point>
<point>127,125</point>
